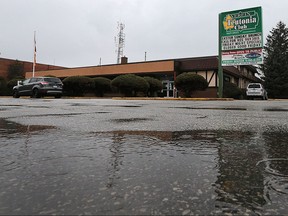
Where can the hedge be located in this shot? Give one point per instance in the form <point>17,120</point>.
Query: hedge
<point>230,90</point>
<point>130,84</point>
<point>189,82</point>
<point>155,85</point>
<point>101,86</point>
<point>78,85</point>
<point>3,86</point>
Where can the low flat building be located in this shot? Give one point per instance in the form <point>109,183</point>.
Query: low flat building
<point>26,66</point>
<point>166,71</point>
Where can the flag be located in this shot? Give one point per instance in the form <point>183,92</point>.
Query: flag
<point>34,59</point>
<point>35,48</point>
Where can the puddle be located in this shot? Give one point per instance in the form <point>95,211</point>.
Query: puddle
<point>212,108</point>
<point>167,135</point>
<point>4,107</point>
<point>8,127</point>
<point>61,114</point>
<point>127,120</point>
<point>143,172</point>
<point>124,106</point>
<point>12,105</point>
<point>82,104</point>
<point>38,107</point>
<point>276,110</point>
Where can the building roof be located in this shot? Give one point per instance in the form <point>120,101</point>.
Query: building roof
<point>161,66</point>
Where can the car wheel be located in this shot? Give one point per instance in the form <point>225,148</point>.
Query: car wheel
<point>36,93</point>
<point>58,96</point>
<point>15,94</point>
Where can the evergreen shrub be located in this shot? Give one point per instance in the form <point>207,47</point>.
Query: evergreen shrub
<point>11,83</point>
<point>130,84</point>
<point>3,86</point>
<point>155,85</point>
<point>101,86</point>
<point>231,90</point>
<point>189,82</point>
<point>78,85</point>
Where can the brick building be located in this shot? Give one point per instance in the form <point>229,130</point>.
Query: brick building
<point>166,71</point>
<point>27,66</point>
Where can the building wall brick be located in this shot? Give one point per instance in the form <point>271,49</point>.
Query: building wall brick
<point>27,66</point>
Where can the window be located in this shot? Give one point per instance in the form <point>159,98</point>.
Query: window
<point>227,79</point>
<point>25,82</point>
<point>254,85</point>
<point>32,80</point>
<point>52,79</point>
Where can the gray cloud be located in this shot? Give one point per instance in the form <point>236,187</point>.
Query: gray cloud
<point>80,32</point>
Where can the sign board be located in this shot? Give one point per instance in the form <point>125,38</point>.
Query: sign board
<point>241,37</point>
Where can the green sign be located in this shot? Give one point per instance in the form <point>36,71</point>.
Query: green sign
<point>245,21</point>
<point>241,38</point>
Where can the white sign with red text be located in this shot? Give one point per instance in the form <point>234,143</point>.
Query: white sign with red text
<point>242,57</point>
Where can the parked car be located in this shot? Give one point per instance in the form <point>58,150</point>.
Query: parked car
<point>37,87</point>
<point>256,90</point>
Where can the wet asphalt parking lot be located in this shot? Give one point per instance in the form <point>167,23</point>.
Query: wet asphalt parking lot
<point>143,157</point>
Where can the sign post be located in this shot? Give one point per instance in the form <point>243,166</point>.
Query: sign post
<point>220,68</point>
<point>240,39</point>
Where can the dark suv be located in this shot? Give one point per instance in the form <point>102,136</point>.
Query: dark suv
<point>38,87</point>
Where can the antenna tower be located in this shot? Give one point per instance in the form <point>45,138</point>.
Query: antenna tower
<point>120,42</point>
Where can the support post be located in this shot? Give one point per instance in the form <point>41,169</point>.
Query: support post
<point>220,68</point>
<point>34,56</point>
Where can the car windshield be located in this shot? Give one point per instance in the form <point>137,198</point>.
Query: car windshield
<point>254,86</point>
<point>53,80</point>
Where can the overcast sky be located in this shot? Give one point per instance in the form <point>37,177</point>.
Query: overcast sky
<point>75,33</point>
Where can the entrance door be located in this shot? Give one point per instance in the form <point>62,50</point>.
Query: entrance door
<point>168,88</point>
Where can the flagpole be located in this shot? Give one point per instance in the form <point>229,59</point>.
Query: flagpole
<point>34,59</point>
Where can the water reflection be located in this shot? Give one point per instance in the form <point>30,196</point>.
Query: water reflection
<point>9,127</point>
<point>275,166</point>
<point>115,161</point>
<point>243,185</point>
<point>276,145</point>
<point>15,143</point>
<point>239,181</point>
<point>142,172</point>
